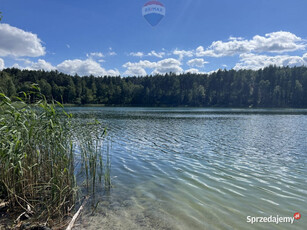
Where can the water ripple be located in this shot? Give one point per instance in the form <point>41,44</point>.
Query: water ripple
<point>206,168</point>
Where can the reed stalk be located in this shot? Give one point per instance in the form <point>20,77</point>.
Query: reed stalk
<point>38,144</point>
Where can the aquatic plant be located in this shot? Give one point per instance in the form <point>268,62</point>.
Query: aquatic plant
<point>36,157</point>
<point>91,143</point>
<point>38,142</point>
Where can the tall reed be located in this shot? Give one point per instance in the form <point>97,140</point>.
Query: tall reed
<point>36,159</point>
<point>37,156</point>
<point>91,143</point>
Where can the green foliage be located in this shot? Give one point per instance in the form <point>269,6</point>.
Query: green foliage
<point>37,155</point>
<point>7,86</point>
<point>269,87</point>
<point>91,142</point>
<point>34,156</point>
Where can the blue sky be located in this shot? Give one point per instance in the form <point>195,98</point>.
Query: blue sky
<point>111,37</point>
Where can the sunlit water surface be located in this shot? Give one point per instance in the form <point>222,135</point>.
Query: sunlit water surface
<point>184,168</point>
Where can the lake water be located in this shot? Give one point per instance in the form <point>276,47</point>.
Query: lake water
<point>185,168</point>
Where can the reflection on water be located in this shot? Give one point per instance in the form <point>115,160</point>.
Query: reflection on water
<point>201,168</point>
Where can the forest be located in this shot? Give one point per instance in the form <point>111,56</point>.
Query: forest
<point>269,87</point>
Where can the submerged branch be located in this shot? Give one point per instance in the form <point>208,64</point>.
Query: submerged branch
<point>72,222</point>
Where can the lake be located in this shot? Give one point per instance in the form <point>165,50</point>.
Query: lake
<point>191,168</point>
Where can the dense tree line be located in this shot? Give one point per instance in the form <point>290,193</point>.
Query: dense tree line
<point>269,87</point>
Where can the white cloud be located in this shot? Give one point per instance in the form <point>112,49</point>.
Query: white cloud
<point>95,54</point>
<point>24,60</point>
<point>196,62</point>
<point>81,67</point>
<point>150,54</point>
<point>100,54</point>
<point>68,46</point>
<point>17,66</point>
<point>112,72</point>
<point>193,70</point>
<point>18,43</point>
<point>85,67</point>
<point>135,71</point>
<point>160,67</point>
<point>231,38</point>
<point>200,51</point>
<point>155,54</point>
<point>136,54</point>
<point>276,42</point>
<point>41,65</point>
<point>144,64</point>
<point>212,71</point>
<point>168,65</point>
<point>1,64</point>
<point>183,53</point>
<point>30,65</point>
<point>255,62</point>
<point>112,53</point>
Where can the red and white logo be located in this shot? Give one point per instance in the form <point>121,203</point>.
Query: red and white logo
<point>297,216</point>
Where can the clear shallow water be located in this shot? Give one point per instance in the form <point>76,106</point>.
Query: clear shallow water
<point>189,168</point>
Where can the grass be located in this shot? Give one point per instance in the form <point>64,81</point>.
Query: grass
<point>91,142</point>
<point>38,143</point>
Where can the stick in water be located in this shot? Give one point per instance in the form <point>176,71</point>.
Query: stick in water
<point>72,222</point>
